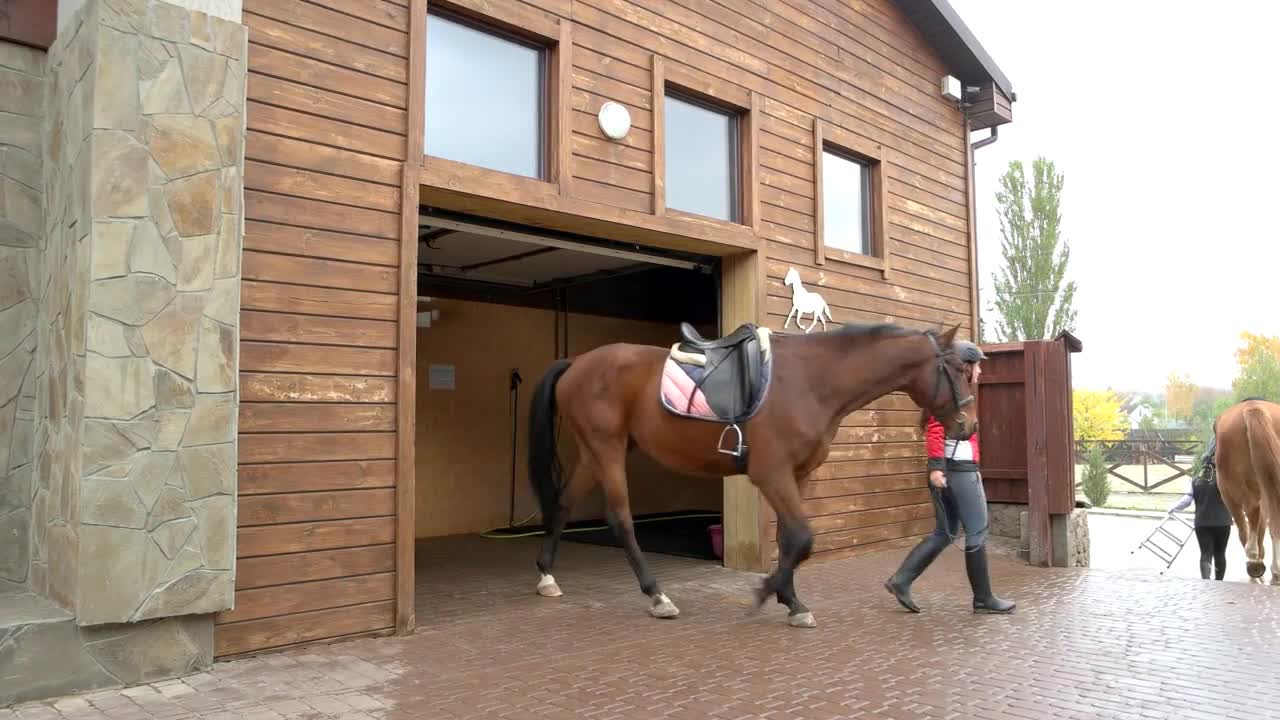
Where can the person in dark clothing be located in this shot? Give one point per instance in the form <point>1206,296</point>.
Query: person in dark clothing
<point>958,500</point>
<point>1213,519</point>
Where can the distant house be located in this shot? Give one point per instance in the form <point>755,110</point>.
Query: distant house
<point>1135,408</point>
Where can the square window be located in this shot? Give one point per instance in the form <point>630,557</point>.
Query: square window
<point>846,203</point>
<point>701,158</point>
<point>486,98</point>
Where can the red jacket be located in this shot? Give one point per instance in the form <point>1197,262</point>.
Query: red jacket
<point>940,449</point>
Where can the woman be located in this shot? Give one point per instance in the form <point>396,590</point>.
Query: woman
<point>958,499</point>
<point>1213,520</point>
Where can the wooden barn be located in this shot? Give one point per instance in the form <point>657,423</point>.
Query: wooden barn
<point>441,198</point>
<point>440,193</point>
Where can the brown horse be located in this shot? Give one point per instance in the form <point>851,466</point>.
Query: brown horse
<point>1248,462</point>
<point>609,399</point>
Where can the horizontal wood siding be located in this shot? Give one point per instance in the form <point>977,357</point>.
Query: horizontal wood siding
<point>328,113</point>
<point>862,68</point>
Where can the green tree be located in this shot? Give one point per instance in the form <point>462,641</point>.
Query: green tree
<point>1259,362</point>
<point>1095,482</point>
<point>1032,301</point>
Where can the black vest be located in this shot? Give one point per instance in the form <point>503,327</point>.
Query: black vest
<point>1210,510</point>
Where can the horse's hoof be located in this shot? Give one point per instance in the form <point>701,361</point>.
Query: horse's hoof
<point>802,620</point>
<point>1256,569</point>
<point>547,587</point>
<point>662,607</point>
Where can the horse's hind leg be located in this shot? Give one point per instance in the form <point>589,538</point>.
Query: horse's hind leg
<point>1254,548</point>
<point>798,614</point>
<point>1274,526</point>
<point>613,479</point>
<point>579,484</point>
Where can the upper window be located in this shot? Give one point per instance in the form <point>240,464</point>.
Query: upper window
<point>701,158</point>
<point>846,203</point>
<point>486,98</point>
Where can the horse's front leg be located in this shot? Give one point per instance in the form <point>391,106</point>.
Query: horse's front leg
<point>795,538</point>
<point>798,614</point>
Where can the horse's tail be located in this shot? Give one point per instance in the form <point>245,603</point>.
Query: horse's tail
<point>1264,452</point>
<point>545,473</point>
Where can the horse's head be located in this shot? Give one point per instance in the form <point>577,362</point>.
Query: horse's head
<point>943,386</point>
<point>792,278</point>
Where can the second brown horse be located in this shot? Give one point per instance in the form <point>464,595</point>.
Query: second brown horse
<point>609,399</point>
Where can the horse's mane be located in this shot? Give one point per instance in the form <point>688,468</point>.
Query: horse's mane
<point>873,330</point>
<point>870,331</point>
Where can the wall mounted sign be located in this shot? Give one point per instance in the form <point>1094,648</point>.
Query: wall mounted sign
<point>440,377</point>
<point>804,301</point>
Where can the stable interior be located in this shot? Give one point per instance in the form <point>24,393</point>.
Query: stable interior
<point>497,302</point>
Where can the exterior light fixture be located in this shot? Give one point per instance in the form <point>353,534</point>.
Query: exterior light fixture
<point>614,120</point>
<point>951,89</point>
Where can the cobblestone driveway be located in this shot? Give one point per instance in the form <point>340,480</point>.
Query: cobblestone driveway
<point>1083,644</point>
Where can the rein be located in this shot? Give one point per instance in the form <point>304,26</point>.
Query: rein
<point>955,410</point>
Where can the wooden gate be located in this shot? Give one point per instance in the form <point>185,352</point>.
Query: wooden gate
<point>1024,410</point>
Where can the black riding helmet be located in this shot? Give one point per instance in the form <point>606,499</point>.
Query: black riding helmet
<point>968,352</point>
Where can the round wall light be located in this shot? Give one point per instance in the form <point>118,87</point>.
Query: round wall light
<point>614,120</point>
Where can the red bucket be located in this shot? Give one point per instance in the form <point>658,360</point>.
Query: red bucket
<point>717,540</point>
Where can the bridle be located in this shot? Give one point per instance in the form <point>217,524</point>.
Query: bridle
<point>956,409</point>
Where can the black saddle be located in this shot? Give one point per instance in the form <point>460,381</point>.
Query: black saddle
<point>695,341</point>
<point>732,381</point>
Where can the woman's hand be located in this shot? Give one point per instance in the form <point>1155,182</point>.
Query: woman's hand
<point>937,478</point>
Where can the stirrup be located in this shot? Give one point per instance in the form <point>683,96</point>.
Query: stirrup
<point>739,449</point>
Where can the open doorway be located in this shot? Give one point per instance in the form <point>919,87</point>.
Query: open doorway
<point>497,305</point>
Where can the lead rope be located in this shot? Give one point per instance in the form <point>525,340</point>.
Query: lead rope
<point>940,506</point>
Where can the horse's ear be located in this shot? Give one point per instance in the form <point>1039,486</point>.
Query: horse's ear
<point>949,336</point>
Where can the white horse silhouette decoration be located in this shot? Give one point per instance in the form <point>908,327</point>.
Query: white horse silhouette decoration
<point>803,301</point>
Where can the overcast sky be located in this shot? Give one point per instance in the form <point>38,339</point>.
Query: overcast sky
<point>1163,117</point>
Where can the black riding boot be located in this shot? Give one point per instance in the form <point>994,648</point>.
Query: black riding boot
<point>920,557</point>
<point>984,601</point>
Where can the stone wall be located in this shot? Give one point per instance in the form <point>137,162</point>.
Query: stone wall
<point>121,219</point>
<point>225,9</point>
<point>136,437</point>
<point>62,295</point>
<point>159,473</point>
<point>22,98</point>
<point>1003,519</point>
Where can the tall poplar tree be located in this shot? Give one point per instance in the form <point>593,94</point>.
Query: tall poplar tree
<point>1032,300</point>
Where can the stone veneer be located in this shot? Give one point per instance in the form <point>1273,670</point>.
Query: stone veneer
<point>22,99</point>
<point>59,363</point>
<point>134,511</point>
<point>121,158</point>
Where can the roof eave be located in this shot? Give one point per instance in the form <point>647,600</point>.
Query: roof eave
<point>957,44</point>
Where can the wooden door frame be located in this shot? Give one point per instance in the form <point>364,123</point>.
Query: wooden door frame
<point>742,299</point>
<point>407,344</point>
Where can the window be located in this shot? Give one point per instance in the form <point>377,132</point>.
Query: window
<point>486,98</point>
<point>851,220</point>
<point>846,203</point>
<point>701,158</point>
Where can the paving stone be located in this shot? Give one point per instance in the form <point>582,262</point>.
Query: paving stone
<point>487,646</point>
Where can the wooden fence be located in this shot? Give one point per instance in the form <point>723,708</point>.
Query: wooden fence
<point>1131,461</point>
<point>1024,410</point>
